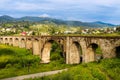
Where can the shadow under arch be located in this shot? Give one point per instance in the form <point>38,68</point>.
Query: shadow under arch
<point>49,51</point>
<point>76,53</point>
<point>117,51</point>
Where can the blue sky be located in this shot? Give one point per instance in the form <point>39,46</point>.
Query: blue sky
<point>82,10</point>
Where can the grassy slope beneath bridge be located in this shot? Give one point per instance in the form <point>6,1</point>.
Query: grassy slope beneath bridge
<point>15,62</point>
<point>107,69</point>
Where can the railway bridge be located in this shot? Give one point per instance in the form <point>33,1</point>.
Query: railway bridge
<point>77,49</point>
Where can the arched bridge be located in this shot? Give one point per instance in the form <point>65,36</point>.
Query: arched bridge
<point>76,49</point>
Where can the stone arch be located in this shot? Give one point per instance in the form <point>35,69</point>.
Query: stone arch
<point>22,43</point>
<point>46,51</point>
<point>75,53</point>
<point>115,49</point>
<point>6,41</point>
<point>16,42</point>
<point>94,52</point>
<point>1,40</point>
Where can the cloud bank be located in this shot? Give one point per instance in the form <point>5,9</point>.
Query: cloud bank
<point>84,10</point>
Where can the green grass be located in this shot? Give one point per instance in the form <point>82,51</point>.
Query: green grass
<point>15,62</point>
<point>107,69</point>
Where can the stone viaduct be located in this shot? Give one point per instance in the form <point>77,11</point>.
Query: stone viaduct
<point>77,49</point>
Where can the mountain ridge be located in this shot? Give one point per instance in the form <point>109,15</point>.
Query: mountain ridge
<point>6,18</point>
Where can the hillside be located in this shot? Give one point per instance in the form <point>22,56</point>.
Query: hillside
<point>45,20</point>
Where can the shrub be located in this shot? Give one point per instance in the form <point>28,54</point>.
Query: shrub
<point>55,56</point>
<point>8,66</point>
<point>18,66</point>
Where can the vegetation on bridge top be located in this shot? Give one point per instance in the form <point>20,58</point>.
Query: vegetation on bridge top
<point>113,35</point>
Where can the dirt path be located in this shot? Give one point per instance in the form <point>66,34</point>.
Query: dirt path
<point>35,75</point>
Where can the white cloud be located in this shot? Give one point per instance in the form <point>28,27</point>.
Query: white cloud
<point>83,9</point>
<point>44,15</point>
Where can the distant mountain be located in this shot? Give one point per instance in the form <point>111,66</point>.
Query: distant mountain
<point>102,23</point>
<point>6,18</point>
<point>45,20</point>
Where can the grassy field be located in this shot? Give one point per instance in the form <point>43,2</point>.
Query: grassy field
<point>107,69</point>
<point>15,62</point>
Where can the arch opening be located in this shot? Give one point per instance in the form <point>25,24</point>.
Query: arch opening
<point>117,52</point>
<point>6,41</point>
<point>56,53</point>
<point>51,52</point>
<point>22,43</point>
<point>16,42</point>
<point>1,40</point>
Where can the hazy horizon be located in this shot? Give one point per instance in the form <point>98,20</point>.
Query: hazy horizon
<point>85,11</point>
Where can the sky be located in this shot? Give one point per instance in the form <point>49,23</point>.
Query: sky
<point>80,10</point>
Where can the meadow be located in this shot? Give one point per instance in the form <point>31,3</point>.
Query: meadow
<point>16,61</point>
<point>106,69</point>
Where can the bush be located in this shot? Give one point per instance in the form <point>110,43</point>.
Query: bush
<point>18,66</point>
<point>17,56</point>
<point>55,56</point>
<point>8,66</point>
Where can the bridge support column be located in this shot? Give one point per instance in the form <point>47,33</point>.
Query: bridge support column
<point>2,41</point>
<point>109,52</point>
<point>67,50</point>
<point>108,49</point>
<point>28,44</point>
<point>89,55</point>
<point>36,49</point>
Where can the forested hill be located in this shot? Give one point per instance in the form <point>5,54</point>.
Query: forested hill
<point>44,20</point>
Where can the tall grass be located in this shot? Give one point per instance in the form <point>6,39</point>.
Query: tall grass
<point>15,61</point>
<point>107,69</point>
<point>13,55</point>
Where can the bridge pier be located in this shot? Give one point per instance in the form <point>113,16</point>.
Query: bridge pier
<point>108,48</point>
<point>28,43</point>
<point>45,54</point>
<point>109,52</point>
<point>89,55</point>
<point>67,50</point>
<point>36,47</point>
